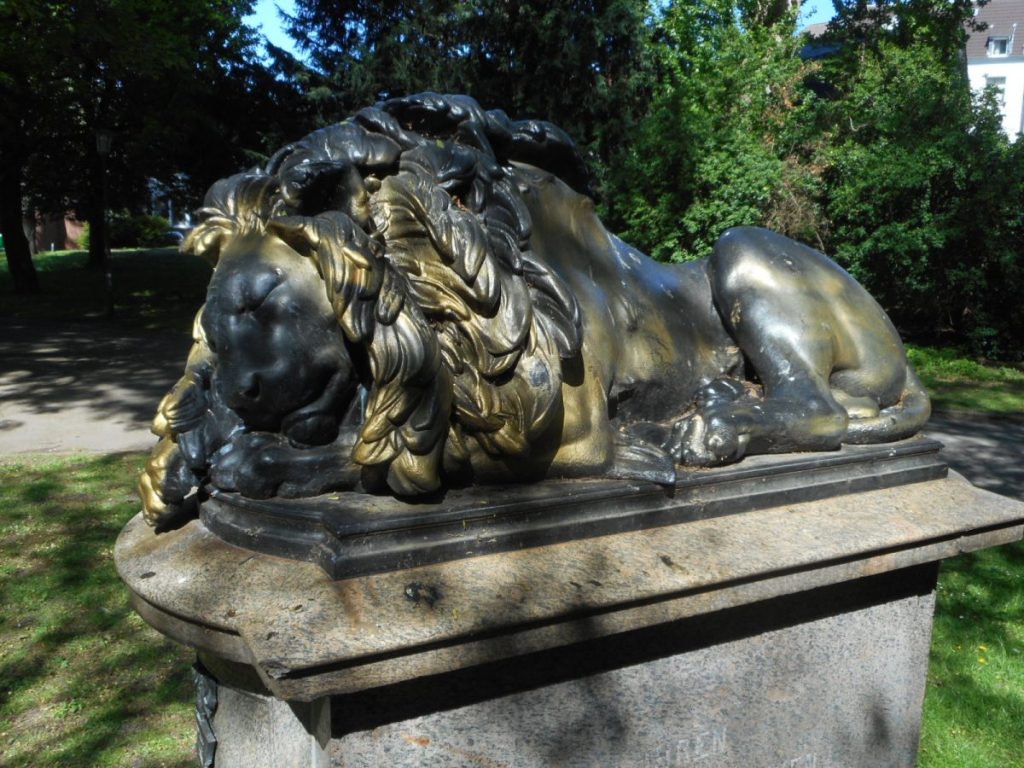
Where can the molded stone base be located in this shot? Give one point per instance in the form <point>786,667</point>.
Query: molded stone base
<point>356,534</point>
<point>830,677</point>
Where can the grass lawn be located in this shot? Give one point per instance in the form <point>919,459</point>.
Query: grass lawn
<point>154,289</point>
<point>958,383</point>
<point>83,680</point>
<point>974,705</point>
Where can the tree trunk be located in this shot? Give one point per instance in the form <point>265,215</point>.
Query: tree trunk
<point>98,230</point>
<point>19,257</point>
<point>97,236</point>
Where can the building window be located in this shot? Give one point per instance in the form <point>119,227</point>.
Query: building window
<point>999,85</point>
<point>999,46</point>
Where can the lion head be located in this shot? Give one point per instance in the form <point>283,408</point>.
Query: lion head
<point>388,255</point>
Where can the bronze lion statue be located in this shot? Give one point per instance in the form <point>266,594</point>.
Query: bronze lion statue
<point>422,296</point>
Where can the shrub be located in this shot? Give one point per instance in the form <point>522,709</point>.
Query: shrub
<point>137,230</point>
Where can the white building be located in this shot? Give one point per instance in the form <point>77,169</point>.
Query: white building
<point>995,56</point>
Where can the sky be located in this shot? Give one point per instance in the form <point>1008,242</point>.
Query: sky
<point>815,11</point>
<point>266,18</point>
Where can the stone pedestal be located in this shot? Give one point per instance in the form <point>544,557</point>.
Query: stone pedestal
<point>792,635</point>
<point>833,676</point>
<point>239,723</point>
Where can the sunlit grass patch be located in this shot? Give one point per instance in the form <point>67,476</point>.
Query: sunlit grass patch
<point>83,681</point>
<point>960,383</point>
<point>974,707</point>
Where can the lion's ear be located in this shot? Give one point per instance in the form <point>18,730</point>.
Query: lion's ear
<point>233,206</point>
<point>208,239</point>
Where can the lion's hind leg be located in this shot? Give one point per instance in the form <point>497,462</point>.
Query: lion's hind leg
<point>856,407</point>
<point>775,298</point>
<point>803,418</point>
<point>900,420</point>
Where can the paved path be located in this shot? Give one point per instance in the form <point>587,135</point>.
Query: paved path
<point>987,451</point>
<point>79,387</point>
<point>82,386</point>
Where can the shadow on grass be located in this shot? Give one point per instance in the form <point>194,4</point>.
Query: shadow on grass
<point>153,289</point>
<point>988,452</point>
<point>60,350</point>
<point>992,396</point>
<point>83,682</point>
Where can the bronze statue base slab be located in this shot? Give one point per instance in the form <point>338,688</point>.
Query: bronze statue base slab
<point>356,534</point>
<point>757,638</point>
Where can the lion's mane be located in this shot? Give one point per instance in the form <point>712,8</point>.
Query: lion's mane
<point>412,214</point>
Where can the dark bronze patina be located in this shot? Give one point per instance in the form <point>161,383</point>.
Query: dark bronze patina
<point>422,297</point>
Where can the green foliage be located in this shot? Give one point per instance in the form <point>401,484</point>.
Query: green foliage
<point>922,202</point>
<point>176,82</point>
<point>131,230</point>
<point>584,65</point>
<point>696,116</point>
<point>876,153</point>
<point>725,142</point>
<point>128,230</point>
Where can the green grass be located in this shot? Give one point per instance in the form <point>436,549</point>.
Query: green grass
<point>974,705</point>
<point>154,289</point>
<point>959,383</point>
<point>83,680</point>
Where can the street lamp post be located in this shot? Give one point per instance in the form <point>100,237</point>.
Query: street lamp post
<point>104,141</point>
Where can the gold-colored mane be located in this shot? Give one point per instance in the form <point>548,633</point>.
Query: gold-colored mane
<point>423,247</point>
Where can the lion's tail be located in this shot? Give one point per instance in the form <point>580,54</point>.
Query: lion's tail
<point>905,418</point>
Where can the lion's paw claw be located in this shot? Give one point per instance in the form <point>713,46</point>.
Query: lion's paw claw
<point>707,441</point>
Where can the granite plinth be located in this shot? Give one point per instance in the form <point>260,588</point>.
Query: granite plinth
<point>831,677</point>
<point>793,632</point>
<point>240,725</point>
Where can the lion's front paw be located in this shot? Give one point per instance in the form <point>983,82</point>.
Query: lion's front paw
<point>253,465</point>
<point>154,508</point>
<point>166,486</point>
<point>707,440</point>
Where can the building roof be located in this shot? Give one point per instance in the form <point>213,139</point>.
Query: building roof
<point>815,30</point>
<point>1004,18</point>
